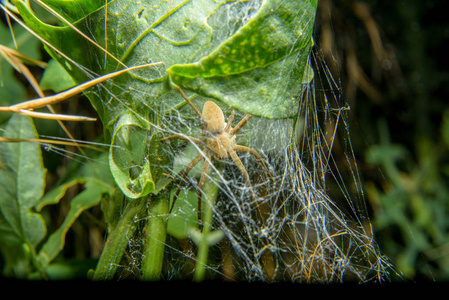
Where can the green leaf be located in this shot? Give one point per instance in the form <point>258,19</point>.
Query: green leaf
<point>74,10</point>
<point>97,182</point>
<point>248,70</point>
<point>95,170</point>
<point>128,156</point>
<point>265,81</point>
<point>56,78</point>
<point>89,197</point>
<point>53,196</point>
<point>22,183</point>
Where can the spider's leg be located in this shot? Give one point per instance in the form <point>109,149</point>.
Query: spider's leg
<point>230,119</point>
<point>240,124</point>
<point>201,184</point>
<point>181,137</point>
<point>242,169</point>
<point>189,101</point>
<point>184,174</point>
<point>259,158</point>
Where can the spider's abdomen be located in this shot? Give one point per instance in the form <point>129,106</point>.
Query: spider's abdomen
<point>213,117</point>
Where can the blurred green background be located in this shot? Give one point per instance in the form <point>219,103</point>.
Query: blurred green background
<point>390,58</point>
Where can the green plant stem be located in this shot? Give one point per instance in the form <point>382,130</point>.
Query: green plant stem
<point>117,242</point>
<point>210,195</point>
<point>33,257</point>
<point>156,232</point>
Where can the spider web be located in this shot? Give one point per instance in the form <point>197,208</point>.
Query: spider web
<point>306,234</point>
<point>314,225</point>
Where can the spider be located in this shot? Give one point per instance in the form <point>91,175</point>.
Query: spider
<point>218,142</point>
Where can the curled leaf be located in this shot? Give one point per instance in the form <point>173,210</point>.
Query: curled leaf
<point>128,157</point>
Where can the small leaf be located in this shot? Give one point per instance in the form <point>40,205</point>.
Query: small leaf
<point>53,196</point>
<point>212,237</point>
<point>91,196</point>
<point>96,169</point>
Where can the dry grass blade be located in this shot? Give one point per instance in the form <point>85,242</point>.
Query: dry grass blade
<point>49,142</point>
<point>15,58</point>
<point>43,101</point>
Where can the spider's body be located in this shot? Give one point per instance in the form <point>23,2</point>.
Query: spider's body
<point>218,142</point>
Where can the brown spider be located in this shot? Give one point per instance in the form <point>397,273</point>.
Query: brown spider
<point>218,142</point>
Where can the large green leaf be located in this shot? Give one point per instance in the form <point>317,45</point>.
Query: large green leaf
<point>249,70</point>
<point>192,39</point>
<point>22,183</point>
